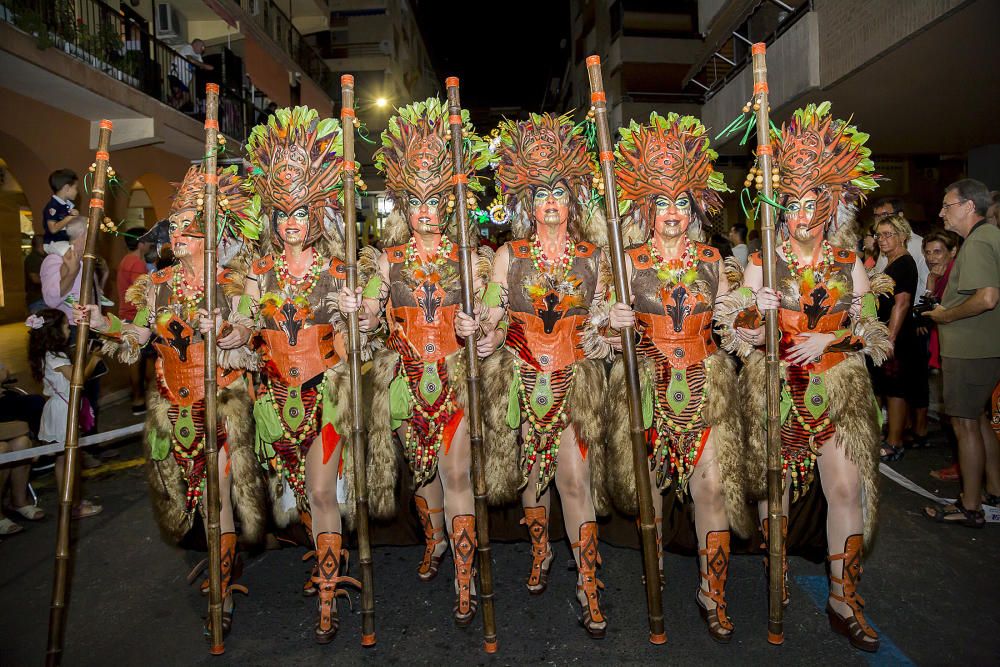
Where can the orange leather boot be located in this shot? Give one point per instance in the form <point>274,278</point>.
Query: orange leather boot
<point>593,620</point>
<point>716,553</point>
<point>538,528</point>
<point>430,563</point>
<point>330,557</point>
<point>463,546</point>
<point>854,627</point>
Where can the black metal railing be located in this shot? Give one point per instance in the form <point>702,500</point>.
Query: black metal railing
<point>106,40</point>
<point>267,16</point>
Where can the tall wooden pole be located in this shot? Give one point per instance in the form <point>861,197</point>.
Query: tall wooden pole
<point>775,478</point>
<point>359,438</point>
<point>60,582</point>
<point>466,246</point>
<point>213,504</point>
<point>640,457</point>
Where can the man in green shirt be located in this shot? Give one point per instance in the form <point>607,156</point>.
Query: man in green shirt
<point>968,323</point>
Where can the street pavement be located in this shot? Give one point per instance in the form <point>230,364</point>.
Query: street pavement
<point>931,590</point>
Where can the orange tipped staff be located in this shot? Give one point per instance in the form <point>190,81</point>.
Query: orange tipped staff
<point>60,582</point>
<point>647,526</point>
<point>465,250</point>
<point>359,438</point>
<point>213,504</point>
<point>775,476</point>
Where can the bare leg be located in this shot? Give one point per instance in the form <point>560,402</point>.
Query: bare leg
<point>432,494</point>
<point>971,459</point>
<point>709,506</point>
<point>226,521</point>
<point>785,500</point>
<point>455,477</point>
<point>897,420</point>
<point>991,449</point>
<point>920,423</point>
<point>19,474</point>
<point>321,488</point>
<point>530,500</point>
<point>137,381</point>
<point>841,481</point>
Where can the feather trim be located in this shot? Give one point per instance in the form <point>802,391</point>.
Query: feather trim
<point>125,350</point>
<point>136,293</point>
<point>727,308</point>
<point>875,334</point>
<point>733,271</point>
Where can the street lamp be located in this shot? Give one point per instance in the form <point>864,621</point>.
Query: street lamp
<point>381,102</point>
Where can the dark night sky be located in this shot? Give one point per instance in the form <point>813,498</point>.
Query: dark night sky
<point>505,55</point>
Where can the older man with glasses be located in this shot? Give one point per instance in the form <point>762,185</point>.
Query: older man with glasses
<point>968,321</point>
<point>885,208</point>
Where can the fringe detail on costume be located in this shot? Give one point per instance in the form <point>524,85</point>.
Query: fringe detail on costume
<point>881,283</point>
<point>843,231</point>
<point>136,292</point>
<point>720,412</point>
<point>585,404</point>
<point>853,412</point>
<point>383,474</point>
<point>168,488</point>
<point>727,308</point>
<point>876,337</point>
<point>503,473</point>
<point>241,357</point>
<point>595,343</point>
<point>125,350</point>
<point>482,270</point>
<point>734,272</point>
<point>367,264</point>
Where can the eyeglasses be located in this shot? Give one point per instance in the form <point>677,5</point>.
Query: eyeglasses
<point>956,203</point>
<point>884,214</point>
<point>884,235</point>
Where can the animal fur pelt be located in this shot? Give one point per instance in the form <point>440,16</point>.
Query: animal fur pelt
<point>720,412</point>
<point>853,411</point>
<point>584,405</point>
<point>379,507</point>
<point>167,487</point>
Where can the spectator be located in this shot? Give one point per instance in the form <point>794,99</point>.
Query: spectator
<point>869,247</point>
<point>14,438</point>
<point>133,265</point>
<point>266,113</point>
<point>993,212</point>
<point>902,379</point>
<point>60,271</point>
<point>48,355</point>
<point>889,206</point>
<point>188,58</point>
<point>940,248</point>
<point>968,321</point>
<point>61,206</point>
<point>738,237</point>
<point>33,275</point>
<point>721,243</point>
<point>753,241</point>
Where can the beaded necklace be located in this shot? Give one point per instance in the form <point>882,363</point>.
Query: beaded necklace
<point>543,264</point>
<point>441,255</point>
<point>303,286</point>
<point>673,271</point>
<point>794,268</point>
<point>186,295</point>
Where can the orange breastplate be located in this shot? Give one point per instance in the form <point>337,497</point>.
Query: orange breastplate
<point>793,323</point>
<point>555,350</point>
<point>432,340</point>
<point>183,382</point>
<point>318,348</point>
<point>685,347</point>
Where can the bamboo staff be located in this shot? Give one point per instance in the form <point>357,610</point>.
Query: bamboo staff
<point>647,526</point>
<point>358,435</point>
<point>465,249</point>
<point>775,478</point>
<point>60,582</point>
<point>213,504</point>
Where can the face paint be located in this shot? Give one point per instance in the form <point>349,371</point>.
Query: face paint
<point>424,217</point>
<point>800,217</point>
<point>293,229</point>
<point>551,205</point>
<point>672,218</point>
<point>185,239</point>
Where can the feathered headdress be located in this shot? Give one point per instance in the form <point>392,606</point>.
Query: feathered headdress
<point>669,156</point>
<point>542,151</point>
<point>815,151</point>
<point>234,216</point>
<point>297,161</point>
<point>416,158</point>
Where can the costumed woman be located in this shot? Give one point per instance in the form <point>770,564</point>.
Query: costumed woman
<point>690,402</point>
<point>302,409</point>
<point>546,387</point>
<point>419,380</point>
<point>828,322</point>
<point>171,310</point>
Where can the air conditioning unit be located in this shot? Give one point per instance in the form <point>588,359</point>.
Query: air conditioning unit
<point>385,47</point>
<point>170,24</point>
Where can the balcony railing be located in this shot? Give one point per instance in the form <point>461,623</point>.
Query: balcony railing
<point>103,38</point>
<point>266,15</point>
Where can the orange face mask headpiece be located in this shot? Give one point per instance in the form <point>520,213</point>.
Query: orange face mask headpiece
<point>297,161</point>
<point>668,157</point>
<point>816,152</point>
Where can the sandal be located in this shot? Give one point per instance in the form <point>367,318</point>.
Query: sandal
<point>890,453</point>
<point>86,509</point>
<point>991,500</point>
<point>8,527</point>
<point>970,518</point>
<point>31,512</point>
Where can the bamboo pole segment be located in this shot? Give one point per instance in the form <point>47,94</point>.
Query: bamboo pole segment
<point>60,581</point>
<point>213,503</point>
<point>647,525</point>
<point>466,246</point>
<point>359,438</point>
<point>775,479</point>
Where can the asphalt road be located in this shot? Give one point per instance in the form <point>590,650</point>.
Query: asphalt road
<point>931,590</point>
